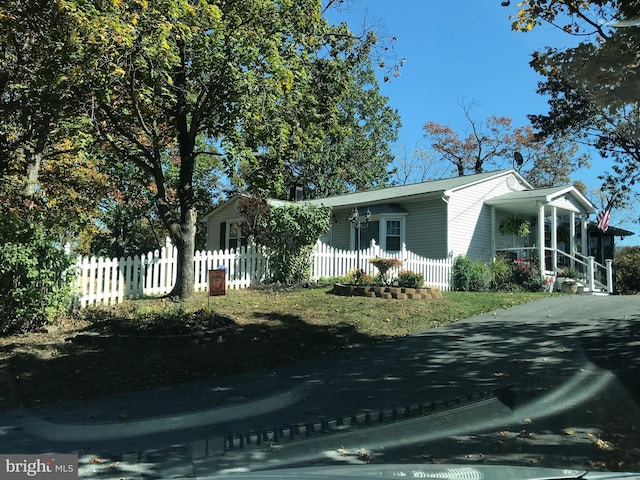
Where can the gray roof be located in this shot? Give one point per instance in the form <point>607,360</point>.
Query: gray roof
<point>433,187</point>
<point>545,195</point>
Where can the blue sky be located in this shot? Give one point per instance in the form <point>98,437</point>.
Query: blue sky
<point>463,51</point>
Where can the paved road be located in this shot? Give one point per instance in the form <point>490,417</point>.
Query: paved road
<point>519,380</point>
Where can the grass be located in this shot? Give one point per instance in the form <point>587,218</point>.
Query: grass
<point>150,343</point>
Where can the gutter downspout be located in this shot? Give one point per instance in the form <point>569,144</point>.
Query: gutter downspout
<point>445,199</point>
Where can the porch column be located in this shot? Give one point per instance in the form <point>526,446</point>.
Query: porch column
<point>572,238</point>
<point>540,235</point>
<point>584,243</point>
<point>554,239</point>
<point>493,232</point>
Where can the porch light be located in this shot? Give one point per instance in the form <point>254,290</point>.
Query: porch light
<point>359,224</point>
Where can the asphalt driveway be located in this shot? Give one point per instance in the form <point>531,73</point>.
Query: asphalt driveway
<point>531,384</point>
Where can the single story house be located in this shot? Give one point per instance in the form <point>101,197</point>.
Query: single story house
<point>451,217</point>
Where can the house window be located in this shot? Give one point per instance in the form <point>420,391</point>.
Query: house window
<point>369,233</point>
<point>393,236</point>
<point>236,237</point>
<point>387,232</point>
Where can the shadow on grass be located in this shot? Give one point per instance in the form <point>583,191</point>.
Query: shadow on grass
<point>116,354</point>
<point>527,357</point>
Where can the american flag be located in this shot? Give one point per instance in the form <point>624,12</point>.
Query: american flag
<point>604,216</point>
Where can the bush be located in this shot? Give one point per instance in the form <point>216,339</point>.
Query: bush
<point>409,279</point>
<point>34,285</point>
<point>527,276</point>
<point>627,268</point>
<point>359,277</point>
<point>289,233</point>
<point>470,275</point>
<point>501,274</point>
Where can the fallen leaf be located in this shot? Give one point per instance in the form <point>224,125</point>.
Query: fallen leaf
<point>603,444</point>
<point>97,460</point>
<point>364,455</point>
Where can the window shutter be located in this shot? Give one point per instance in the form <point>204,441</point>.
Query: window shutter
<point>223,235</point>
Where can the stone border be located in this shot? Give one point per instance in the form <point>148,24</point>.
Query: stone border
<point>398,293</point>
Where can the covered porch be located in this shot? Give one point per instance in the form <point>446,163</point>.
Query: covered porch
<point>556,237</point>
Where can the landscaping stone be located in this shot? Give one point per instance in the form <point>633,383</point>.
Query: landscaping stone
<point>386,292</point>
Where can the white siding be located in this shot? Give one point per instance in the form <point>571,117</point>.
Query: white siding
<point>227,213</point>
<point>340,229</point>
<point>426,232</point>
<point>469,219</point>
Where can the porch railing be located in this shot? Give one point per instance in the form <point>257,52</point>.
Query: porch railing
<point>594,275</point>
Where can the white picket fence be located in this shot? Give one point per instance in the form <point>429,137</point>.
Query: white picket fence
<point>108,281</point>
<point>332,262</point>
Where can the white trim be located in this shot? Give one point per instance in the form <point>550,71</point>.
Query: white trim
<point>227,232</point>
<point>382,218</point>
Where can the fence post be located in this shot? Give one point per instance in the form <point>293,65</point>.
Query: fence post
<point>590,281</point>
<point>610,286</point>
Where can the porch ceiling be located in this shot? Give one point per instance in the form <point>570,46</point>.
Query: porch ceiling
<point>526,202</point>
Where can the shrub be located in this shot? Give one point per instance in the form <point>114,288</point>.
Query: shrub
<point>359,277</point>
<point>570,272</point>
<point>627,268</point>
<point>34,285</point>
<point>526,275</point>
<point>501,274</point>
<point>289,233</point>
<point>470,275</point>
<point>409,279</point>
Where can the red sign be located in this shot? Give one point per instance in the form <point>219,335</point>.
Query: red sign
<point>217,282</point>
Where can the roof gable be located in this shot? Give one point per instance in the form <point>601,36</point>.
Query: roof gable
<point>432,187</point>
<point>552,195</point>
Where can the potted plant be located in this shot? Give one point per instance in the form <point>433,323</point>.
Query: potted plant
<point>569,286</point>
<point>384,265</point>
<point>515,225</point>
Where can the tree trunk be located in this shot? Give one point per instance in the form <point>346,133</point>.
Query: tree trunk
<point>34,158</point>
<point>185,242</point>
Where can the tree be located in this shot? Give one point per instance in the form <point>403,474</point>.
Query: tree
<point>177,75</point>
<point>420,166</point>
<point>37,104</point>
<point>288,232</point>
<point>495,143</point>
<point>355,154</point>
<point>347,123</point>
<point>130,224</point>
<point>593,88</point>
<point>46,173</point>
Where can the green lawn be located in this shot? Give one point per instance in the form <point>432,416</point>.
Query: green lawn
<point>155,342</point>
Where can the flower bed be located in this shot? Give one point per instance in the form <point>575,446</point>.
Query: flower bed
<point>398,293</point>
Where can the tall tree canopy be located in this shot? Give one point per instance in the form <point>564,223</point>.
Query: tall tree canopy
<point>182,79</point>
<point>355,128</point>
<point>264,88</point>
<point>495,143</point>
<point>593,87</point>
<point>42,129</point>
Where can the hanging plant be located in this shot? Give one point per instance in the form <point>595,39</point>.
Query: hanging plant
<point>515,225</point>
